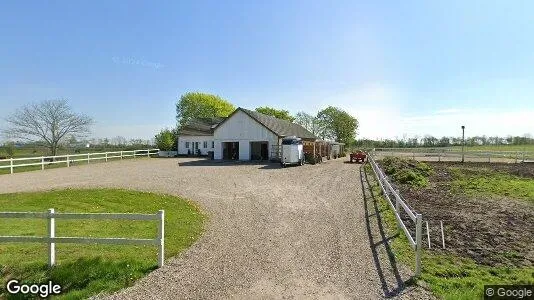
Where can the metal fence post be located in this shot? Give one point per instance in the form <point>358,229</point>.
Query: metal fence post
<point>51,234</point>
<point>42,162</point>
<point>161,237</point>
<point>418,238</point>
<point>11,164</point>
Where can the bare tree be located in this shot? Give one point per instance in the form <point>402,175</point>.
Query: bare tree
<point>48,122</point>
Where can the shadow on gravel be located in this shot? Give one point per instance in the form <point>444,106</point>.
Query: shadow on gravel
<point>390,278</point>
<point>227,163</point>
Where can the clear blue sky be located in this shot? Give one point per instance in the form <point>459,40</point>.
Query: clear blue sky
<point>401,67</point>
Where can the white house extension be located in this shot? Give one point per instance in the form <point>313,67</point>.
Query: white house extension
<point>244,135</point>
<point>197,136</point>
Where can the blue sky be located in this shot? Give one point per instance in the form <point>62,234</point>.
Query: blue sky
<point>401,67</point>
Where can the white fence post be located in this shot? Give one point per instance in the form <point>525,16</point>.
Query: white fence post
<point>148,152</point>
<point>106,156</point>
<point>418,225</point>
<point>88,156</point>
<point>11,164</point>
<point>42,162</point>
<point>121,154</point>
<point>68,161</point>
<point>161,237</point>
<point>134,154</point>
<point>51,234</point>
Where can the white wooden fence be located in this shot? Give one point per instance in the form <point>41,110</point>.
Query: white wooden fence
<point>417,218</point>
<point>51,239</point>
<point>67,159</point>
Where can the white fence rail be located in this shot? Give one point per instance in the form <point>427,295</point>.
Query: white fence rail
<point>448,154</point>
<point>42,161</point>
<point>396,205</point>
<point>51,239</point>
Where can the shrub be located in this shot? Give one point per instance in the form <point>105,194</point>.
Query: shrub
<point>166,140</point>
<point>407,171</point>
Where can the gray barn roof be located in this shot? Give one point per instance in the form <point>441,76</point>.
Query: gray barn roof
<point>279,127</point>
<point>203,126</point>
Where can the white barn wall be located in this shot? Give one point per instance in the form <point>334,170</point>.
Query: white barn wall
<point>243,129</point>
<point>194,138</point>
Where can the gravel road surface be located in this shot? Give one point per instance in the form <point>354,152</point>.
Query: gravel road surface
<point>298,232</point>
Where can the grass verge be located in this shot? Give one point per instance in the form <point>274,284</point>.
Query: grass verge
<point>487,182</point>
<point>448,276</point>
<point>85,270</point>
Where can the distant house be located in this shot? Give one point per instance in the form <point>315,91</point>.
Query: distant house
<point>197,136</point>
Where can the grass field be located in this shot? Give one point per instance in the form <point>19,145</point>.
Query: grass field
<point>520,148</point>
<point>85,270</point>
<point>447,275</point>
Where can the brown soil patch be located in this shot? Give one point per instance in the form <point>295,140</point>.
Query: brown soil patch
<point>495,231</point>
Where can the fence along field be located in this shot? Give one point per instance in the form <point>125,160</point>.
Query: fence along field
<point>11,164</point>
<point>51,239</point>
<point>455,154</point>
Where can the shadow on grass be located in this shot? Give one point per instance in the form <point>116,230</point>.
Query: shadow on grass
<point>80,278</point>
<point>391,281</point>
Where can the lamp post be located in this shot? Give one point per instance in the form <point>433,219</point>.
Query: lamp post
<point>463,142</point>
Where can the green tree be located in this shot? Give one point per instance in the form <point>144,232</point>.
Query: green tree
<point>337,124</point>
<point>9,147</point>
<point>277,113</point>
<point>201,105</point>
<point>165,140</point>
<point>311,123</point>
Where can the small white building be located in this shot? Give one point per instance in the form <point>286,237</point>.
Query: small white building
<point>197,137</point>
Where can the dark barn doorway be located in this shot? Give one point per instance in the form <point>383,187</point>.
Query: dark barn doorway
<point>259,150</point>
<point>230,150</point>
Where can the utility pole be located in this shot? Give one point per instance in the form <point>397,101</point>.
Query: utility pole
<point>463,143</point>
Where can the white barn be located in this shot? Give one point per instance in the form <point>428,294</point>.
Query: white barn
<point>243,135</point>
<point>250,135</point>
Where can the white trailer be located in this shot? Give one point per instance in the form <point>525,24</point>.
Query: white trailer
<point>292,151</point>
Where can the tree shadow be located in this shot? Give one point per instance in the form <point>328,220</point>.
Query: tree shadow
<point>391,280</point>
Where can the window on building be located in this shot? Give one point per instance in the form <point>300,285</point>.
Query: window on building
<point>205,144</point>
<point>212,144</point>
<point>187,145</point>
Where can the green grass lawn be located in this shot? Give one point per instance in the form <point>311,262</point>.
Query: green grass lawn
<point>489,182</point>
<point>85,270</point>
<point>447,275</point>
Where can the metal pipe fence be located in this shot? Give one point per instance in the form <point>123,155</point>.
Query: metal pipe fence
<point>52,239</point>
<point>67,159</point>
<point>398,205</point>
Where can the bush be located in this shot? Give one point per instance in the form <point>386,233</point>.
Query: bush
<point>310,159</point>
<point>407,171</point>
<point>166,140</point>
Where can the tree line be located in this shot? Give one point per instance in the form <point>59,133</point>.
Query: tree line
<point>446,141</point>
<point>331,123</point>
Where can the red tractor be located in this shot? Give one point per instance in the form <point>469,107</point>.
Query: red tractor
<point>357,156</point>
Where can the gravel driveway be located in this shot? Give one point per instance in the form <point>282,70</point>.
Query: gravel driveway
<point>298,232</point>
